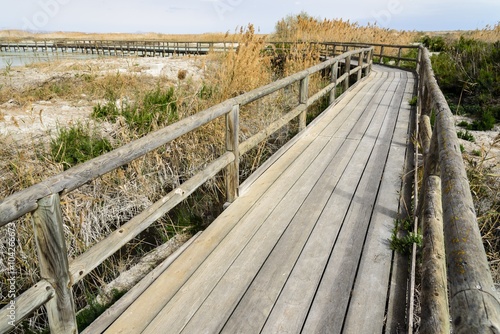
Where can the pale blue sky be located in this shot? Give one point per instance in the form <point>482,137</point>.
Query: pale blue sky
<point>198,16</point>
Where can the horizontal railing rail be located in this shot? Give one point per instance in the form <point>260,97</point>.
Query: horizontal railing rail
<point>42,200</point>
<point>456,279</point>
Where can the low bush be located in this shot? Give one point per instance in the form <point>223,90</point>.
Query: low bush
<point>78,144</point>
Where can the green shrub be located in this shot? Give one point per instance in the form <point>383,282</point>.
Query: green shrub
<point>108,111</point>
<point>77,144</point>
<point>157,108</point>
<point>468,72</point>
<point>435,44</point>
<point>465,135</point>
<point>413,101</point>
<point>404,244</point>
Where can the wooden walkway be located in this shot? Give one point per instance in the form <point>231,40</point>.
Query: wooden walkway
<point>305,248</point>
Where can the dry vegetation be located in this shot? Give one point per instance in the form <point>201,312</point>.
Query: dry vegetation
<point>18,35</point>
<point>306,28</point>
<point>93,211</point>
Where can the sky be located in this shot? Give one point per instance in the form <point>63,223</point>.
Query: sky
<point>202,16</point>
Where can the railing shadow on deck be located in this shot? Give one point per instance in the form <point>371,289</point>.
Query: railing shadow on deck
<point>54,290</point>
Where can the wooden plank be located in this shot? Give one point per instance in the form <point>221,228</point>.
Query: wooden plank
<point>212,314</point>
<point>359,102</point>
<point>329,306</point>
<point>292,307</point>
<point>316,126</point>
<point>53,262</point>
<point>292,186</point>
<point>111,314</point>
<point>148,306</point>
<point>25,304</point>
<point>372,282</point>
<point>239,275</point>
<point>255,307</point>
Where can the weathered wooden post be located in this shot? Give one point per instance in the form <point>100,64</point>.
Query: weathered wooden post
<point>334,76</point>
<point>360,64</point>
<point>303,97</point>
<point>381,59</point>
<point>398,63</point>
<point>53,257</point>
<point>232,145</point>
<point>348,71</point>
<point>435,310</point>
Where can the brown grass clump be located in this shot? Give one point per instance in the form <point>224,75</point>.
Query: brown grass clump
<point>241,70</point>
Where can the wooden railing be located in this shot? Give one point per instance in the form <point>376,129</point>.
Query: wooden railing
<point>456,278</point>
<point>117,48</point>
<point>382,53</point>
<point>59,275</point>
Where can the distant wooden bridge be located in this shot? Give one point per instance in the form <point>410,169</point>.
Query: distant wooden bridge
<point>303,245</point>
<point>154,48</point>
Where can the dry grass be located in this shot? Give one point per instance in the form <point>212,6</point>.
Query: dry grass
<point>488,34</point>
<point>305,28</point>
<point>18,35</point>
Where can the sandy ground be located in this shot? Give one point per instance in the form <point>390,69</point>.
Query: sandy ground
<point>485,142</point>
<point>24,122</point>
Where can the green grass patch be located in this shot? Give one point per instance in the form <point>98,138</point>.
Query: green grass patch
<point>77,144</point>
<point>156,109</point>
<point>403,238</point>
<point>466,135</point>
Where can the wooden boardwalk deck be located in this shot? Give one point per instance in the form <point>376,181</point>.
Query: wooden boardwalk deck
<point>305,248</point>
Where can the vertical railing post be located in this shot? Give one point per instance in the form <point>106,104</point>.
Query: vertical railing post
<point>369,59</point>
<point>304,96</point>
<point>360,64</point>
<point>381,60</point>
<point>232,145</point>
<point>398,63</point>
<point>53,257</point>
<point>334,76</point>
<point>348,71</point>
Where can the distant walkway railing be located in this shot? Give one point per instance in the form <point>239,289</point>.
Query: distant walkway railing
<point>54,290</point>
<point>454,259</point>
<point>397,55</point>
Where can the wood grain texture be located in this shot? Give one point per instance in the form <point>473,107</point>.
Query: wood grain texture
<point>474,301</point>
<point>25,304</point>
<point>232,145</point>
<point>53,262</point>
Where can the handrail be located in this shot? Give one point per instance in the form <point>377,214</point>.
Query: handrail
<point>43,199</point>
<point>450,226</point>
